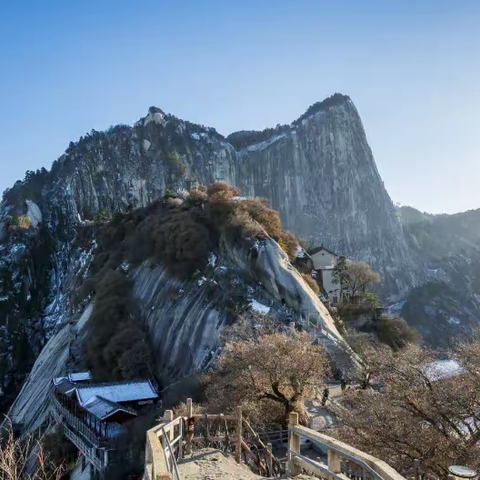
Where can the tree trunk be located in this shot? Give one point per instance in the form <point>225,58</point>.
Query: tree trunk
<point>296,406</point>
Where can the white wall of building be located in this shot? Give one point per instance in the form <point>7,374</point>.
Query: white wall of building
<point>323,259</point>
<point>331,288</point>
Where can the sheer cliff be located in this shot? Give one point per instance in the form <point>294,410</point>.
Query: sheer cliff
<point>318,172</point>
<point>181,312</point>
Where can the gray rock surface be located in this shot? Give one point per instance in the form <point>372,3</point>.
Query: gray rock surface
<point>31,407</point>
<point>319,172</point>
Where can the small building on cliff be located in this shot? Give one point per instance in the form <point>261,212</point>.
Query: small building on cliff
<point>110,403</point>
<point>324,261</point>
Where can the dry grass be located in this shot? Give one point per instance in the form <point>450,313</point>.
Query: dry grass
<point>241,219</point>
<point>197,195</point>
<point>289,244</point>
<point>26,460</point>
<point>218,187</point>
<point>252,217</point>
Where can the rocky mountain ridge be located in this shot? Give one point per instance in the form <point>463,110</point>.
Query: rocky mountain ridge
<point>184,318</point>
<point>318,172</point>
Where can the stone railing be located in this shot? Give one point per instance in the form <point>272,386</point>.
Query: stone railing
<point>162,441</point>
<point>337,453</point>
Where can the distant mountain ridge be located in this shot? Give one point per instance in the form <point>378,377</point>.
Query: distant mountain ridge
<point>448,247</point>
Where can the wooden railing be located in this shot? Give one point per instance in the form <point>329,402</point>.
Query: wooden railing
<point>174,437</point>
<point>164,446</point>
<point>84,421</point>
<point>171,439</point>
<point>340,457</point>
<point>275,437</point>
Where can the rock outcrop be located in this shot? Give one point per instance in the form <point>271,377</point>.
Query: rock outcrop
<point>185,319</point>
<point>318,172</point>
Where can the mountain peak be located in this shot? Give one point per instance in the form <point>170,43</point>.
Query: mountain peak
<point>154,110</point>
<point>326,104</point>
<point>244,138</point>
<point>154,114</point>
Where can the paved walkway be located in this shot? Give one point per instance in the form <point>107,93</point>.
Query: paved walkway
<point>322,418</point>
<point>211,464</point>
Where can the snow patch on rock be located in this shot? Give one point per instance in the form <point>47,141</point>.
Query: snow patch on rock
<point>34,213</point>
<point>259,307</point>
<point>212,259</point>
<point>396,308</point>
<point>261,146</point>
<point>442,369</point>
<point>454,321</point>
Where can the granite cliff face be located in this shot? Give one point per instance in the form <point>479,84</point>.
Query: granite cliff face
<point>318,172</point>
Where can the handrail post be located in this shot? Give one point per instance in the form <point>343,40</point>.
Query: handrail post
<point>238,435</point>
<point>190,426</point>
<point>416,465</point>
<point>293,444</point>
<point>334,461</point>
<point>269,459</point>
<point>167,418</point>
<point>180,443</point>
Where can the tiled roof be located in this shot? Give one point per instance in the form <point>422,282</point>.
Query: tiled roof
<point>79,376</point>
<point>117,392</point>
<point>58,380</point>
<point>73,377</point>
<point>64,386</point>
<point>103,408</point>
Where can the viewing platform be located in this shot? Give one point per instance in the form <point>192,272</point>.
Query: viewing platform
<point>172,440</point>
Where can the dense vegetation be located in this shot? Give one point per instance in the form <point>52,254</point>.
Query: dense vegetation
<point>25,281</point>
<point>179,234</point>
<point>116,347</point>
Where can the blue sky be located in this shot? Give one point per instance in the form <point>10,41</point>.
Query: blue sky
<point>412,67</point>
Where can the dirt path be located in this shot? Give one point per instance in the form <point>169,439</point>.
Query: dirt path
<point>211,464</point>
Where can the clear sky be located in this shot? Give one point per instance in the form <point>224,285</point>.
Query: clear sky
<point>412,67</point>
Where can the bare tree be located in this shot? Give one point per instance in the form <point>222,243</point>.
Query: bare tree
<point>280,368</point>
<point>418,410</point>
<point>25,459</point>
<point>354,276</point>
